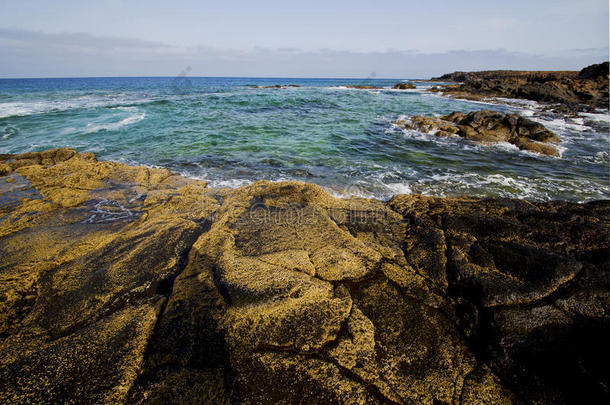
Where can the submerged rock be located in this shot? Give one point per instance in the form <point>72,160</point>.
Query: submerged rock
<point>361,86</point>
<point>280,293</point>
<point>489,127</point>
<point>279,86</point>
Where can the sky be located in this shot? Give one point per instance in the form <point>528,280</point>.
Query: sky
<point>382,38</point>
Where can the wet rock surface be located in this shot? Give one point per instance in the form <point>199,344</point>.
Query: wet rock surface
<point>362,86</point>
<point>584,90</point>
<point>279,86</point>
<point>489,127</point>
<point>404,86</point>
<point>280,293</point>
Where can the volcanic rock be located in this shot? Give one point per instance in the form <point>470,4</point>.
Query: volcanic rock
<point>488,127</point>
<point>582,90</point>
<point>124,284</point>
<point>361,86</point>
<point>404,86</point>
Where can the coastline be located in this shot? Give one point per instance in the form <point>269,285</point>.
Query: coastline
<point>236,294</point>
<point>564,92</point>
<point>231,134</point>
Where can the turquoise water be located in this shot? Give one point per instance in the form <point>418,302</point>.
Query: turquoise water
<point>230,132</point>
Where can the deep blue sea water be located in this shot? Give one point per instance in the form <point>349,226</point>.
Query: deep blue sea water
<point>230,132</point>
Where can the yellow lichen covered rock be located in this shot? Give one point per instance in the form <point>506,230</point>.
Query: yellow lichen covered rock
<point>81,252</point>
<point>126,284</point>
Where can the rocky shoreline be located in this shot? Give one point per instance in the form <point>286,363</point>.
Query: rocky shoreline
<point>127,284</point>
<point>566,91</point>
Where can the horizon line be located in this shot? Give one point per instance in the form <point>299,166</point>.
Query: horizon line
<point>208,77</point>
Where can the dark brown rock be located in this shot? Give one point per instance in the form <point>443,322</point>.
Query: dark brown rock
<point>599,71</point>
<point>361,86</point>
<point>279,86</point>
<point>577,90</point>
<point>489,127</point>
<point>404,86</point>
<point>534,286</point>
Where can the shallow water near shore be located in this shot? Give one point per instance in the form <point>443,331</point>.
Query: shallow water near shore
<point>233,131</point>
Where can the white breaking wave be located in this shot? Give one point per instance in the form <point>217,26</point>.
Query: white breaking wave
<point>230,183</point>
<point>132,119</point>
<point>469,183</point>
<point>399,188</point>
<point>568,124</point>
<point>13,109</point>
<point>20,109</point>
<point>479,185</point>
<point>598,117</point>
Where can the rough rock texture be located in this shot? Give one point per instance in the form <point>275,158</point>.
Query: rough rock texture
<point>489,127</point>
<point>404,86</point>
<point>576,90</point>
<point>126,284</point>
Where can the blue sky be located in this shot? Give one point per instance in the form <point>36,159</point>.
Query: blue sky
<point>305,39</point>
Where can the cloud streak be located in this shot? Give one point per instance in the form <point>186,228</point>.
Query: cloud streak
<point>36,54</point>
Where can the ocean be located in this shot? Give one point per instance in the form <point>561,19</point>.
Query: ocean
<point>232,131</point>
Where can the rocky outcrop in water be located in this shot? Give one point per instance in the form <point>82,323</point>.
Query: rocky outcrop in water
<point>362,86</point>
<point>279,86</point>
<point>404,86</point>
<point>128,284</point>
<point>488,127</point>
<point>577,90</point>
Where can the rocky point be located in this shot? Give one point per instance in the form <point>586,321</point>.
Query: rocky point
<point>571,90</point>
